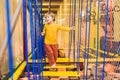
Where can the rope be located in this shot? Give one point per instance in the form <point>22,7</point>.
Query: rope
<point>70,33</point>
<point>97,39</point>
<point>9,39</point>
<point>35,23</point>
<point>40,41</point>
<point>88,27</point>
<point>111,23</point>
<point>74,14</point>
<point>79,34</point>
<point>35,40</point>
<point>86,35</point>
<point>25,38</point>
<point>105,41</point>
<point>32,37</point>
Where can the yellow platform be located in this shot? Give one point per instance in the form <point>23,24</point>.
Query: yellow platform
<point>69,60</point>
<point>61,66</point>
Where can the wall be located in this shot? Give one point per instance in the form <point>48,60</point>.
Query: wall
<point>17,38</point>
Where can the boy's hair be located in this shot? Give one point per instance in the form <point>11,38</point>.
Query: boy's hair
<point>50,14</point>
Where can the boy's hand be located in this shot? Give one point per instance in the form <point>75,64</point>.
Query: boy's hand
<point>73,28</point>
<point>42,33</point>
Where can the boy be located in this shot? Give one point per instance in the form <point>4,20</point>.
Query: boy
<point>50,43</point>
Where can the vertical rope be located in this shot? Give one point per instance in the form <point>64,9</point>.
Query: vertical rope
<point>105,41</point>
<point>37,43</point>
<point>70,33</point>
<point>97,40</point>
<point>40,42</point>
<point>88,29</point>
<point>36,39</point>
<point>9,40</point>
<point>111,23</point>
<point>25,41</point>
<point>79,34</point>
<point>86,35</point>
<point>35,22</point>
<point>32,36</point>
<point>74,15</point>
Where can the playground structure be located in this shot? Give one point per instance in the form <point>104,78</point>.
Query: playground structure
<point>91,52</point>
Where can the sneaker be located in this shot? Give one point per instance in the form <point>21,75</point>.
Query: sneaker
<point>53,65</point>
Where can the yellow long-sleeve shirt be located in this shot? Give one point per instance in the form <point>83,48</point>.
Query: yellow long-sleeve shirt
<point>51,33</point>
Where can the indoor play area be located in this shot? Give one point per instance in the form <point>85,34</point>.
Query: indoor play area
<point>86,35</point>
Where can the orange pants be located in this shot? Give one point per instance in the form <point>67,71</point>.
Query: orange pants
<point>52,53</point>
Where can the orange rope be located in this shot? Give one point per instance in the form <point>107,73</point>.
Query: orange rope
<point>111,22</point>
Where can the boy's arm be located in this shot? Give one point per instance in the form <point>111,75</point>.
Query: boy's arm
<point>66,28</point>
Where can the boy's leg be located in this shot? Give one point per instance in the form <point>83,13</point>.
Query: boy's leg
<point>49,53</point>
<point>55,51</point>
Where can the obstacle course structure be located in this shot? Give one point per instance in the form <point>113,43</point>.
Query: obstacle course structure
<point>93,51</point>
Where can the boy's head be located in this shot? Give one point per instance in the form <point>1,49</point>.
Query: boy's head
<point>49,17</point>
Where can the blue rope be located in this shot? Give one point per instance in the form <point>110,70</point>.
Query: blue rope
<point>105,41</point>
<point>42,51</point>
<point>36,39</point>
<point>9,40</point>
<point>97,39</point>
<point>37,45</point>
<point>37,42</point>
<point>32,37</point>
<point>25,37</point>
<point>40,41</point>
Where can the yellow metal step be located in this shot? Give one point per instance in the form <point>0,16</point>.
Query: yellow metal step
<point>61,66</point>
<point>60,73</point>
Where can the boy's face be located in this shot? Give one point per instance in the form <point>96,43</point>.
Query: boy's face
<point>49,19</point>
